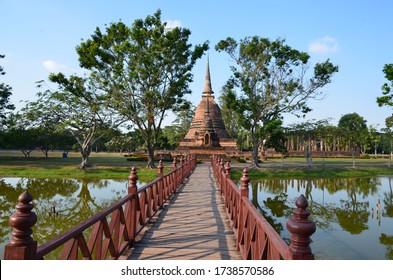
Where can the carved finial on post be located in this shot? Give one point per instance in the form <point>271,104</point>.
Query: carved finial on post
<point>174,164</point>
<point>181,160</point>
<point>132,179</point>
<point>244,180</point>
<point>227,170</point>
<point>160,168</point>
<point>301,228</point>
<point>22,246</point>
<point>222,165</point>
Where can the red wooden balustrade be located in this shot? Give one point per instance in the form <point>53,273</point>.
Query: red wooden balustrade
<point>256,238</point>
<point>113,230</point>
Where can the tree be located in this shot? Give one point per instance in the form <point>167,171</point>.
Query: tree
<point>354,130</point>
<point>171,135</point>
<point>23,139</point>
<point>272,80</point>
<point>387,90</point>
<point>145,70</point>
<point>183,121</point>
<point>311,133</point>
<point>275,138</point>
<point>387,138</point>
<point>229,116</point>
<point>5,93</point>
<point>77,107</point>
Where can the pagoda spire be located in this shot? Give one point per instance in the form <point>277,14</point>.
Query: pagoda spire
<point>208,84</point>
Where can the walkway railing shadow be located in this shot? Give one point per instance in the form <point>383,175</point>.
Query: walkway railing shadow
<point>256,238</point>
<point>112,231</point>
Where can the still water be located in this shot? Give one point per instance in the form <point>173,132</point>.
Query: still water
<point>354,216</point>
<point>58,203</point>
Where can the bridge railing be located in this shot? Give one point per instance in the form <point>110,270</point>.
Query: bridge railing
<point>256,239</point>
<point>105,235</point>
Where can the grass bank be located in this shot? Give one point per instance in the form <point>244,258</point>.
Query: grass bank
<point>329,167</point>
<point>115,166</point>
<point>103,166</point>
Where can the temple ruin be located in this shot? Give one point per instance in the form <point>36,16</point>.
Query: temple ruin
<point>207,134</point>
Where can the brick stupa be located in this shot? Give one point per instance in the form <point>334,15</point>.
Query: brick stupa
<point>207,131</point>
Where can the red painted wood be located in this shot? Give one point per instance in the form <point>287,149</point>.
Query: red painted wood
<point>256,238</point>
<point>113,229</point>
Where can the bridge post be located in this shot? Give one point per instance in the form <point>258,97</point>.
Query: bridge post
<point>133,189</point>
<point>244,193</point>
<point>227,177</point>
<point>174,164</point>
<point>181,169</point>
<point>222,164</point>
<point>244,182</point>
<point>301,228</point>
<point>222,173</point>
<point>160,168</point>
<point>174,174</point>
<point>22,246</point>
<point>161,184</point>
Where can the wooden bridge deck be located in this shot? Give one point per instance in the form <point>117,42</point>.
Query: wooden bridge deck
<point>193,226</point>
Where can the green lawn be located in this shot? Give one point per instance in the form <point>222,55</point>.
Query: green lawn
<point>328,167</point>
<point>115,166</point>
<point>103,165</point>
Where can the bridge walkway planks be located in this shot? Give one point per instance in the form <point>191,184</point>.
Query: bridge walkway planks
<point>193,226</point>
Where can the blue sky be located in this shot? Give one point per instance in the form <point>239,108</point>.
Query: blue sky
<point>39,37</point>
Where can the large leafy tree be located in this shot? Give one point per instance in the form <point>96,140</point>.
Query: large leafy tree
<point>145,69</point>
<point>387,88</point>
<point>270,78</point>
<point>77,107</point>
<point>354,130</point>
<point>5,93</point>
<point>387,137</point>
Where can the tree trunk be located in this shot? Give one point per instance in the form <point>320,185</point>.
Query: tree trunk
<point>353,157</point>
<point>45,152</point>
<point>150,157</point>
<point>255,146</point>
<point>307,154</point>
<point>85,152</point>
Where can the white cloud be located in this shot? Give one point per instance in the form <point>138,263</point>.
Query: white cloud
<point>53,66</point>
<point>170,24</point>
<point>324,45</point>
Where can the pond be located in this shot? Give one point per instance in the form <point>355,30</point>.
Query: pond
<point>354,216</point>
<point>58,203</point>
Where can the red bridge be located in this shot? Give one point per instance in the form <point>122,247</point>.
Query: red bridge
<point>193,212</point>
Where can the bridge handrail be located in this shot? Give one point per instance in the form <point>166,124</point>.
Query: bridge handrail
<point>114,229</point>
<point>256,239</point>
<point>75,231</point>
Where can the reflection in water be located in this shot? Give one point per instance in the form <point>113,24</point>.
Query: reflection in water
<point>59,203</point>
<point>388,200</point>
<point>354,216</point>
<point>274,205</point>
<point>387,240</point>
